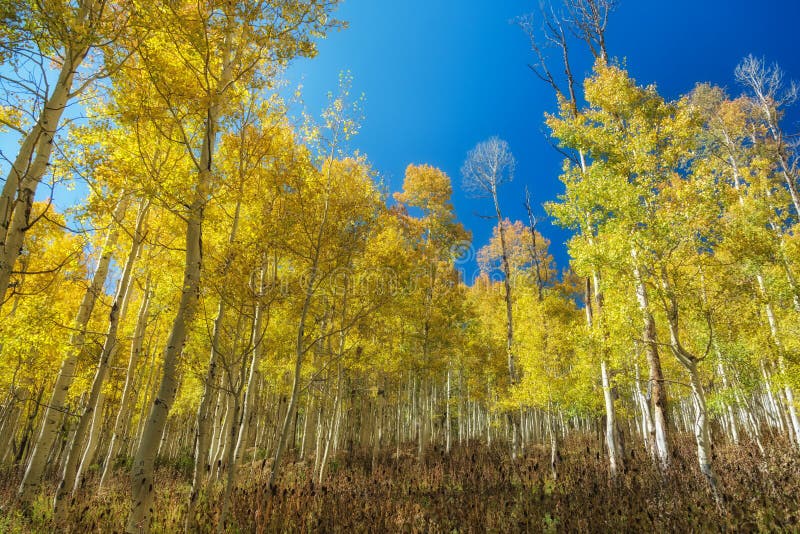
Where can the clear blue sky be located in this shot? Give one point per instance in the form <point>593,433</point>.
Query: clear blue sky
<point>441,75</point>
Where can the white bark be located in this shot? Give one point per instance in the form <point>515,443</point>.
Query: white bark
<point>127,398</point>
<point>30,166</point>
<point>142,471</point>
<point>654,363</point>
<point>57,407</point>
<point>610,420</point>
<point>118,309</point>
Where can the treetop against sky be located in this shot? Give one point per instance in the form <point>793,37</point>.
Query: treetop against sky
<point>441,75</point>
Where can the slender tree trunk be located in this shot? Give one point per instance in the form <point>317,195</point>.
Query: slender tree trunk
<point>122,421</point>
<point>118,309</point>
<point>596,297</point>
<point>700,426</point>
<point>142,471</point>
<point>258,350</point>
<point>332,428</point>
<point>794,422</point>
<point>29,167</point>
<point>203,438</point>
<point>610,420</point>
<point>92,442</point>
<point>690,362</point>
<point>300,343</point>
<point>11,415</point>
<point>236,428</point>
<point>57,407</point>
<point>658,393</point>
<point>447,414</point>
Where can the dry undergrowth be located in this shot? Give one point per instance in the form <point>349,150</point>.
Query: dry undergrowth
<point>475,489</point>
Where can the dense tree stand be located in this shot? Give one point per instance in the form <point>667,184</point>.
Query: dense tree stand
<point>224,316</point>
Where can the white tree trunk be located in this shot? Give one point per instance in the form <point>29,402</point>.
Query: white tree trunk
<point>28,169</point>
<point>126,400</point>
<point>700,426</point>
<point>56,407</point>
<point>118,310</point>
<point>610,420</point>
<point>658,394</point>
<point>144,460</point>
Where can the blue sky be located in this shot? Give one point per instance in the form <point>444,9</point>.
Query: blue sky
<point>441,75</point>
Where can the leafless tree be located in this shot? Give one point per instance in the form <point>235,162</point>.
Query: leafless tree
<point>488,166</point>
<point>588,20</point>
<point>769,95</point>
<point>535,259</point>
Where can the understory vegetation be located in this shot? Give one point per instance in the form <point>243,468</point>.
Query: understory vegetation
<point>473,489</point>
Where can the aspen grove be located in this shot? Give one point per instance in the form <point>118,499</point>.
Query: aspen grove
<point>241,328</point>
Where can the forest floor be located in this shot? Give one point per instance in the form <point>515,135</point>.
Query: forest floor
<point>474,489</point>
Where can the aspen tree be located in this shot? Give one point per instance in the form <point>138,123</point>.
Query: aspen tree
<point>66,33</point>
<point>588,20</point>
<point>76,457</point>
<point>54,413</point>
<point>232,44</point>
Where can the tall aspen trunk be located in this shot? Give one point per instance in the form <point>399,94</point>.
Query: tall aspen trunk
<point>30,166</point>
<point>118,310</point>
<point>595,319</point>
<point>205,412</point>
<point>611,428</point>
<point>306,416</point>
<point>772,410</point>
<point>658,393</point>
<point>144,460</point>
<point>236,427</point>
<point>300,351</point>
<point>648,429</point>
<point>751,422</point>
<point>126,399</point>
<point>300,343</point>
<point>226,436</point>
<point>512,367</point>
<point>56,407</point>
<point>700,426</point>
<point>222,435</point>
<point>256,342</point>
<point>230,461</point>
<point>512,363</point>
<point>794,422</point>
<point>732,425</point>
<point>335,414</point>
<point>377,438</point>
<point>153,368</point>
<point>203,426</point>
<point>690,362</point>
<point>11,415</point>
<point>447,422</point>
<point>92,443</point>
<point>789,178</point>
<point>25,443</point>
